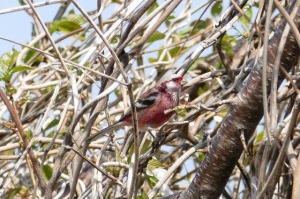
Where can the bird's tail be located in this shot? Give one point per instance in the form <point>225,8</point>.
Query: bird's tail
<point>103,131</point>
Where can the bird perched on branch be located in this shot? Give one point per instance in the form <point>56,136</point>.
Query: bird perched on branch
<point>151,106</point>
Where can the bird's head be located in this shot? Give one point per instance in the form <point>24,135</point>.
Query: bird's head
<point>171,83</point>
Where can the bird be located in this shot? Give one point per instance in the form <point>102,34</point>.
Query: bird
<point>150,107</point>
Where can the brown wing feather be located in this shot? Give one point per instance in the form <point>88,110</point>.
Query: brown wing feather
<point>147,99</point>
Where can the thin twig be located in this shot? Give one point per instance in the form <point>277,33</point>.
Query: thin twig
<point>67,61</point>
<point>9,176</point>
<point>264,71</point>
<point>40,4</point>
<point>24,140</point>
<point>224,59</point>
<point>289,19</point>
<point>174,166</point>
<point>115,180</point>
<point>243,140</point>
<point>280,160</point>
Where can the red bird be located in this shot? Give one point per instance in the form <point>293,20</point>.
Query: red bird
<point>151,106</point>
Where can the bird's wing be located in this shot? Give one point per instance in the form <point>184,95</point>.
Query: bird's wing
<point>147,99</point>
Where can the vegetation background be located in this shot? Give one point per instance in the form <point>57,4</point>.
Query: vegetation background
<point>74,67</point>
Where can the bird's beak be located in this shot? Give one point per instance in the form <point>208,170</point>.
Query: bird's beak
<point>183,82</point>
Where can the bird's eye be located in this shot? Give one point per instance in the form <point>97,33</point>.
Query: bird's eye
<point>174,79</point>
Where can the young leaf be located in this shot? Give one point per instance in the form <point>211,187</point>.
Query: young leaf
<point>143,195</point>
<point>244,20</point>
<point>169,19</point>
<point>227,42</point>
<point>199,25</point>
<point>156,36</point>
<point>7,62</point>
<point>21,68</point>
<point>152,8</point>
<point>152,60</point>
<point>67,23</point>
<point>52,124</point>
<point>47,171</point>
<point>64,26</point>
<point>216,9</point>
<point>176,51</point>
<point>12,193</point>
<point>22,2</point>
<point>152,180</point>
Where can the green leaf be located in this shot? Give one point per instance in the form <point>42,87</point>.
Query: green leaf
<point>243,19</point>
<point>154,164</point>
<point>29,55</point>
<point>196,27</point>
<point>47,171</point>
<point>169,19</point>
<point>10,90</point>
<point>12,193</point>
<point>28,134</point>
<point>165,57</point>
<point>33,30</point>
<point>203,89</point>
<point>147,145</point>
<point>117,1</point>
<point>67,23</point>
<point>152,8</point>
<point>72,11</point>
<point>201,156</point>
<point>115,39</point>
<point>52,124</point>
<point>78,19</point>
<point>228,42</point>
<point>176,51</point>
<point>199,25</point>
<point>64,26</point>
<point>21,68</point>
<point>22,2</point>
<point>152,60</point>
<point>260,137</point>
<point>216,9</point>
<point>18,192</point>
<point>6,77</point>
<point>7,62</point>
<point>143,195</point>
<point>184,33</point>
<point>156,36</point>
<point>152,180</point>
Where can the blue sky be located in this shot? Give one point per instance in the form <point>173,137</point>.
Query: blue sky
<point>18,25</point>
